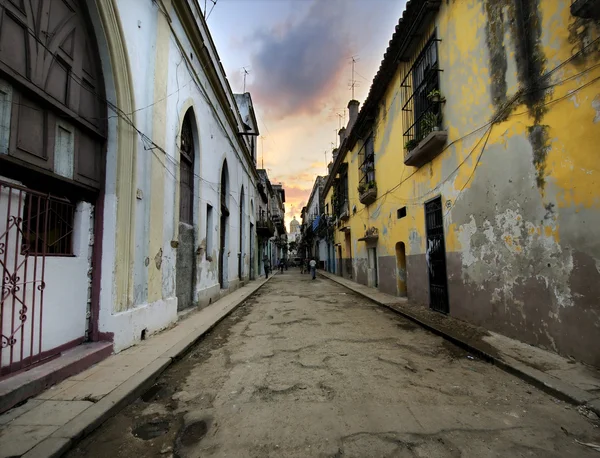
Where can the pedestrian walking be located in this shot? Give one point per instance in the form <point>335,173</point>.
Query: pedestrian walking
<point>267,266</point>
<point>313,268</point>
<point>281,265</point>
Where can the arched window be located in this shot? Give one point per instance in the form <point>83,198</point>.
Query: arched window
<point>186,171</point>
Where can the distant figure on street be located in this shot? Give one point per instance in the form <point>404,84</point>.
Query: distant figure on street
<point>281,265</point>
<point>267,266</point>
<point>302,265</point>
<point>313,268</point>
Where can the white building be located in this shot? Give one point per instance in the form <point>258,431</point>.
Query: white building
<point>151,158</point>
<point>314,218</point>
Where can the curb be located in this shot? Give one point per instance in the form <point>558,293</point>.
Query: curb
<point>68,435</point>
<point>535,377</point>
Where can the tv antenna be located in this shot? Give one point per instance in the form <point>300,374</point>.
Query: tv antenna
<point>353,82</point>
<point>246,73</point>
<point>214,3</point>
<point>262,151</point>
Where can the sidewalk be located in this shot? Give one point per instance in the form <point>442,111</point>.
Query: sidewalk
<point>561,377</point>
<point>49,424</point>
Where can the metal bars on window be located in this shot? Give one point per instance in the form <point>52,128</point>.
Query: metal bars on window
<point>421,111</point>
<point>367,166</point>
<point>33,226</point>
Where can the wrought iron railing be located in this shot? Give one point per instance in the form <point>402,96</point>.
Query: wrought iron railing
<point>33,226</point>
<point>421,100</point>
<point>367,165</point>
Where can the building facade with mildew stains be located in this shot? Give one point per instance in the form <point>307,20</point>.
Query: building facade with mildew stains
<point>127,173</point>
<point>468,181</point>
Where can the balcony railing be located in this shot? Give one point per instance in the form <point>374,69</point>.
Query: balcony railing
<point>422,111</point>
<point>422,106</point>
<point>264,227</point>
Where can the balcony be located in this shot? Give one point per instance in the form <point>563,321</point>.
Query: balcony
<point>369,195</point>
<point>367,188</point>
<point>587,9</point>
<point>344,212</point>
<point>265,228</point>
<point>427,149</point>
<point>422,108</point>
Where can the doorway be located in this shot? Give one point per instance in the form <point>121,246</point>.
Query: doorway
<point>372,258</point>
<point>348,260</point>
<point>401,269</point>
<point>436,256</point>
<point>252,274</point>
<point>242,237</point>
<point>338,269</point>
<point>185,264</point>
<point>223,232</point>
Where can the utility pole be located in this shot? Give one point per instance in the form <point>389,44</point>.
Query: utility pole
<point>326,168</point>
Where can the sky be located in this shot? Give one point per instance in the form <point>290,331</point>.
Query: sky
<point>298,55</point>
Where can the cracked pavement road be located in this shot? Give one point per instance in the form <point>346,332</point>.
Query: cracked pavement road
<point>308,369</point>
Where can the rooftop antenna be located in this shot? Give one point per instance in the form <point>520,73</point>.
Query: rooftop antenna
<point>262,151</point>
<point>335,132</point>
<point>246,73</point>
<point>326,168</point>
<point>353,81</point>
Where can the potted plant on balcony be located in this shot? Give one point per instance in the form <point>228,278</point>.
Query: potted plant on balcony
<point>369,193</point>
<point>411,144</point>
<point>361,188</point>
<point>435,96</point>
<point>429,123</point>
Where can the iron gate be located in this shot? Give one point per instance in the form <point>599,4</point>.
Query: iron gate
<point>436,256</point>
<point>32,226</point>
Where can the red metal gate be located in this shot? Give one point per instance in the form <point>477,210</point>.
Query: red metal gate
<point>32,226</point>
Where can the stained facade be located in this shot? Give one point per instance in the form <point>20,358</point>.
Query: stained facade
<point>125,194</point>
<point>468,181</point>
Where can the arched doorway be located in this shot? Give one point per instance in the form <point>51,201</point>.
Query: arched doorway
<point>52,141</point>
<point>224,230</point>
<point>401,269</point>
<point>185,265</point>
<point>186,170</point>
<point>242,237</point>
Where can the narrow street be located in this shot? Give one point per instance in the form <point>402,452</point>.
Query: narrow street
<point>308,369</point>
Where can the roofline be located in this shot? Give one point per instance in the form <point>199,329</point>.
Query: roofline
<point>192,25</point>
<point>400,46</point>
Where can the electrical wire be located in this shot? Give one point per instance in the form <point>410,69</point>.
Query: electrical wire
<point>517,97</point>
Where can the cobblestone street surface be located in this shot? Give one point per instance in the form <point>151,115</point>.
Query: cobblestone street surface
<point>308,369</point>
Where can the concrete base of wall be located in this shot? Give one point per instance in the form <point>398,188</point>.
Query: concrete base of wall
<point>417,279</point>
<point>126,327</point>
<point>388,281</point>
<point>24,385</point>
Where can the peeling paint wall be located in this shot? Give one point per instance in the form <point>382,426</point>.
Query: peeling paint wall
<point>518,177</point>
<point>163,94</point>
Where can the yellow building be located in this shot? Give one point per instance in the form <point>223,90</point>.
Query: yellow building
<point>468,181</point>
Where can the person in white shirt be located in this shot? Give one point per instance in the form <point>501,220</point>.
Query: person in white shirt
<point>313,268</point>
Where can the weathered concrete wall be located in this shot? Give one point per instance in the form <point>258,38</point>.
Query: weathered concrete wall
<point>518,177</point>
<point>140,276</point>
<point>387,275</point>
